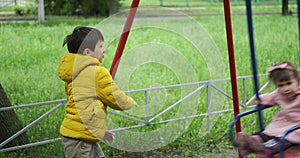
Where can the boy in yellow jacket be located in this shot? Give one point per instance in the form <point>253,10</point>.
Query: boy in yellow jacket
<point>90,89</point>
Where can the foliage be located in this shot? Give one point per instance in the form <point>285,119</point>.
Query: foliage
<point>81,7</point>
<point>28,10</point>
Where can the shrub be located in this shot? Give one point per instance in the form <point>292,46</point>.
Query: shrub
<point>28,10</point>
<point>84,8</point>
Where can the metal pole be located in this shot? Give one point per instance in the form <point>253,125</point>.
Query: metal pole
<point>30,125</point>
<point>230,46</point>
<point>187,3</point>
<point>177,103</point>
<point>29,145</point>
<point>209,109</point>
<point>147,105</point>
<point>124,37</point>
<point>253,60</point>
<point>41,11</point>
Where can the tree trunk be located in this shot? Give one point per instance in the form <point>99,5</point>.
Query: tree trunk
<point>285,7</point>
<point>113,7</point>
<point>10,123</point>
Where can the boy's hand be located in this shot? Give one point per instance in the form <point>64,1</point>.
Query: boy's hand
<point>108,137</point>
<point>135,104</point>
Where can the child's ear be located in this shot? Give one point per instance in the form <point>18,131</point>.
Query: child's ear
<point>86,51</point>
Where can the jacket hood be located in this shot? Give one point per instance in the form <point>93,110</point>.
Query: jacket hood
<point>72,64</point>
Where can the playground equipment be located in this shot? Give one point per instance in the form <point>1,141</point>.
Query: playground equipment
<point>227,15</point>
<point>290,153</point>
<point>259,108</point>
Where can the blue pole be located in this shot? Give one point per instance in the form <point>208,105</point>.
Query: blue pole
<point>253,59</point>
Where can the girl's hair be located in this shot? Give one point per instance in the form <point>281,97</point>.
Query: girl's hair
<point>82,37</point>
<point>284,71</point>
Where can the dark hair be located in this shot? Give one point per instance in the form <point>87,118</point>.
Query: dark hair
<point>81,38</point>
<point>284,74</point>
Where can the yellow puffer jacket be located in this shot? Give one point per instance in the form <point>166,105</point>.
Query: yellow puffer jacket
<point>89,89</point>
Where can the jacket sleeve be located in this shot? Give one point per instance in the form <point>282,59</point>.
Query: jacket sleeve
<point>109,93</point>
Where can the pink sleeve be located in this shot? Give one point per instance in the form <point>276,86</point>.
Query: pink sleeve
<point>268,98</point>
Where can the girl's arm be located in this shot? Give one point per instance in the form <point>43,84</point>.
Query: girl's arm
<point>267,99</point>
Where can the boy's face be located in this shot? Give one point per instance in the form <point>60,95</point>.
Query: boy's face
<point>288,89</point>
<point>98,52</point>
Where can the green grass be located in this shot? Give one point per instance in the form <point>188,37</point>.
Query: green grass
<point>30,53</point>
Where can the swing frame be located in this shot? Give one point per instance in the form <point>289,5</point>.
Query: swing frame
<point>258,109</point>
<point>227,13</point>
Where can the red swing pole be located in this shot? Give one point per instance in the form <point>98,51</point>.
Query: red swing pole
<point>230,46</point>
<point>124,37</point>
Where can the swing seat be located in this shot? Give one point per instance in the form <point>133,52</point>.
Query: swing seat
<point>292,152</point>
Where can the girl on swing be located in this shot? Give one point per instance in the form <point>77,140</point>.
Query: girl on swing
<point>286,95</point>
